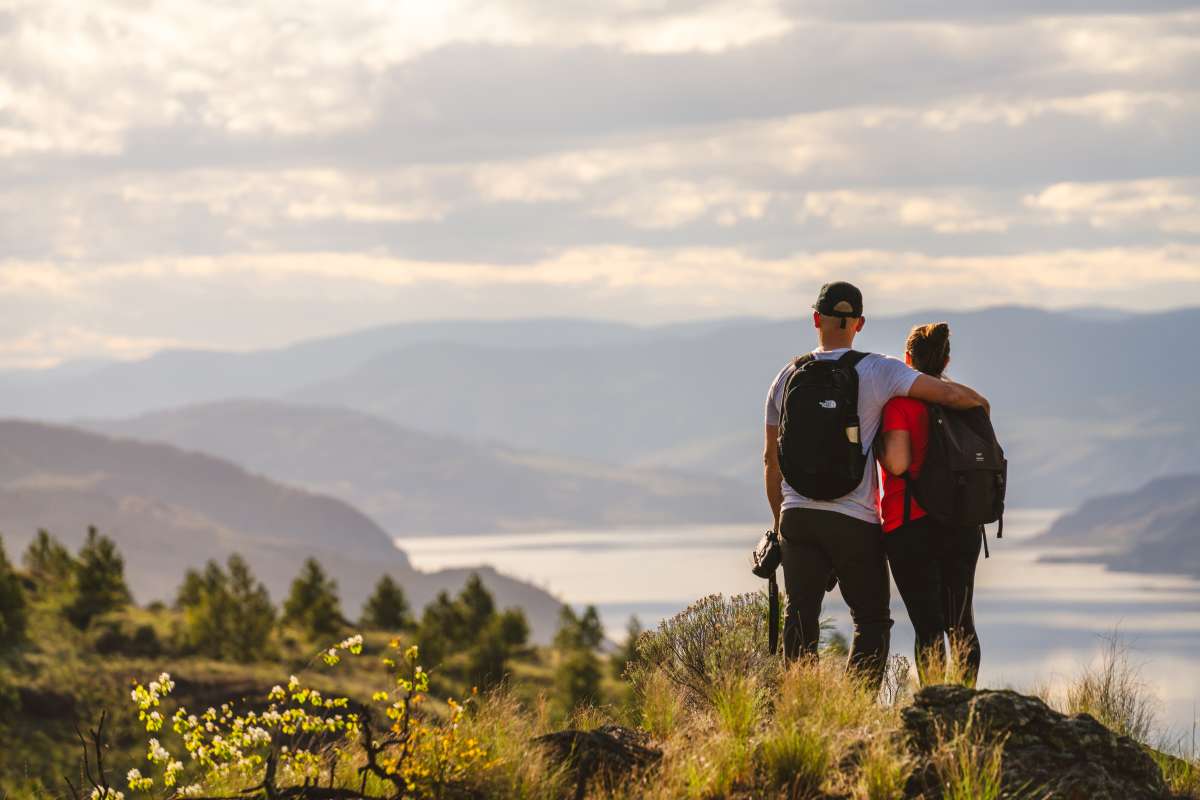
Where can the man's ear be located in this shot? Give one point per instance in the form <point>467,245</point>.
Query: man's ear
<point>816,319</point>
<point>861,322</point>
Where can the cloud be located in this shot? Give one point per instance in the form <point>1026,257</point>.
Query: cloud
<point>1166,205</point>
<point>173,171</point>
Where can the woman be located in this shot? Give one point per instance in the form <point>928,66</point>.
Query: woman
<point>933,565</point>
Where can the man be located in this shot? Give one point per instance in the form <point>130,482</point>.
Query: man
<point>841,538</point>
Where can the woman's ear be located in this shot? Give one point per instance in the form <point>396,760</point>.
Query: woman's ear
<point>908,358</point>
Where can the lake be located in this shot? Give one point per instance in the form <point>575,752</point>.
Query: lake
<point>1040,623</point>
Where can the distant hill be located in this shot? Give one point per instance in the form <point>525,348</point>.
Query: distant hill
<point>1084,401</point>
<point>1153,529</point>
<point>182,377</point>
<point>416,483</point>
<point>169,510</point>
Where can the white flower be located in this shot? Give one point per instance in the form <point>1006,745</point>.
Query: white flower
<point>156,752</point>
<point>191,790</point>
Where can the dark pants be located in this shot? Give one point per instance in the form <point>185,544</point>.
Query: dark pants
<point>934,569</point>
<point>817,545</point>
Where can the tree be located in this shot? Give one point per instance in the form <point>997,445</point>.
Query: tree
<point>252,617</point>
<point>204,600</point>
<point>577,676</point>
<point>627,655</point>
<point>98,581</point>
<point>227,615</point>
<point>442,628</point>
<point>575,632</point>
<point>313,604</point>
<point>387,608</point>
<point>48,562</point>
<point>478,606</point>
<point>13,618</point>
<point>514,628</point>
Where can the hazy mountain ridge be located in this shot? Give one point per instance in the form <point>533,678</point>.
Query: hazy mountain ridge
<point>417,483</point>
<point>1083,401</point>
<point>169,510</point>
<point>1155,528</point>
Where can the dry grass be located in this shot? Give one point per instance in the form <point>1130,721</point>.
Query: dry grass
<point>969,764</point>
<point>1114,693</point>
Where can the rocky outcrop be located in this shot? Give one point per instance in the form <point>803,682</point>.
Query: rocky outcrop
<point>1046,754</point>
<point>610,754</point>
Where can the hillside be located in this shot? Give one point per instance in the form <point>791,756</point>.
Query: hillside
<point>1154,529</point>
<point>414,483</point>
<point>169,510</point>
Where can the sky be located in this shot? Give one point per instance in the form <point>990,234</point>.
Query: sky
<point>234,175</point>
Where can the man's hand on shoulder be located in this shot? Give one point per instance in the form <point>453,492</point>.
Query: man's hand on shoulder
<point>947,393</point>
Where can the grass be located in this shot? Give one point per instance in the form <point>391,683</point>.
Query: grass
<point>969,764</point>
<point>1114,694</point>
<point>731,721</point>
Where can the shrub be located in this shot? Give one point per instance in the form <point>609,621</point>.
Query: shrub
<point>710,638</point>
<point>299,736</point>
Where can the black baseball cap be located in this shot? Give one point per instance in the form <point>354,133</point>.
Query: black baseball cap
<point>839,299</point>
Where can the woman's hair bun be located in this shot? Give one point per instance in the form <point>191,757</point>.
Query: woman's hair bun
<point>929,347</point>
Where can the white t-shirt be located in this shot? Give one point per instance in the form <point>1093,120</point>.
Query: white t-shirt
<point>880,378</point>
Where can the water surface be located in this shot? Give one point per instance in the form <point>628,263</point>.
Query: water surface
<point>1040,623</point>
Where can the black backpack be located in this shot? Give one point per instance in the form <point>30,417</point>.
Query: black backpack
<point>965,474</point>
<point>820,449</point>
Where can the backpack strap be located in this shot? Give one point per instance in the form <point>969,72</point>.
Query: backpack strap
<point>907,477</point>
<point>850,358</point>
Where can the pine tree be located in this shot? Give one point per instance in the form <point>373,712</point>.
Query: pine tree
<point>628,654</point>
<point>442,628</point>
<point>514,628</point>
<point>98,580</point>
<point>313,604</point>
<point>578,632</point>
<point>13,617</point>
<point>387,608</point>
<point>252,617</point>
<point>577,676</point>
<point>48,562</point>
<point>204,600</point>
<point>478,606</point>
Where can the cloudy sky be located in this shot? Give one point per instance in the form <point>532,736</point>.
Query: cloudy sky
<point>241,174</point>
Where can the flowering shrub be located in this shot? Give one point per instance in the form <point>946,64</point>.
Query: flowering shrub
<point>302,736</point>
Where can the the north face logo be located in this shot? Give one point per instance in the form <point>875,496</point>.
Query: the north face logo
<point>828,404</point>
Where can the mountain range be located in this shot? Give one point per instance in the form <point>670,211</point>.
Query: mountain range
<point>416,483</point>
<point>1084,402</point>
<point>1155,528</point>
<point>169,509</point>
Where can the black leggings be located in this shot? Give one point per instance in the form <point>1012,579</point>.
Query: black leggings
<point>934,569</point>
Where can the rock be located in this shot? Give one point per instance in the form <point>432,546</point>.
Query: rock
<point>1046,754</point>
<point>609,754</point>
